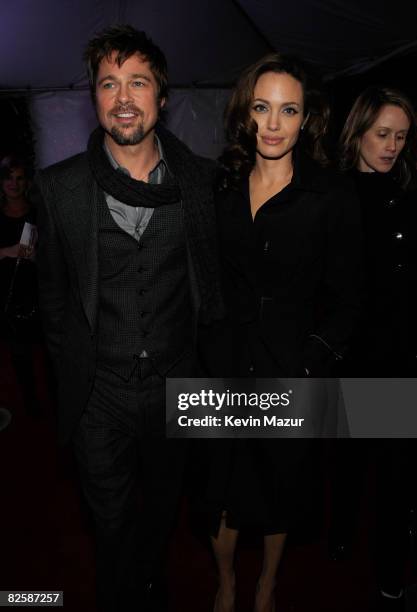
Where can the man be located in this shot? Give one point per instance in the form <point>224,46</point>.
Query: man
<point>127,270</point>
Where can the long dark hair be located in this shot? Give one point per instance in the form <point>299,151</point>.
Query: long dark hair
<point>362,116</point>
<point>238,158</point>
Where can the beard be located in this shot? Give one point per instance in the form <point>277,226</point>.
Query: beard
<point>122,135</point>
<point>122,138</point>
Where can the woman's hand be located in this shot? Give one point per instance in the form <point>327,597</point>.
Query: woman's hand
<point>12,251</point>
<point>26,252</point>
<point>17,250</point>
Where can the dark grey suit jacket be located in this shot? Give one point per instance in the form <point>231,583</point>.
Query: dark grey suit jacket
<point>67,199</point>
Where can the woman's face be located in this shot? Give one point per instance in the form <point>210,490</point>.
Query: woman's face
<point>278,109</point>
<point>381,145</point>
<point>14,186</point>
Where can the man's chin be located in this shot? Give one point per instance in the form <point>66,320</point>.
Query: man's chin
<point>124,138</point>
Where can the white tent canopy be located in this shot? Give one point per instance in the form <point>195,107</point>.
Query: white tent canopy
<point>207,44</point>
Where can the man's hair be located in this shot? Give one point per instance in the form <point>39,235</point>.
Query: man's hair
<point>125,41</point>
<point>363,115</point>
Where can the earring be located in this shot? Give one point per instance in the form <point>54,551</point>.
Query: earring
<point>305,121</point>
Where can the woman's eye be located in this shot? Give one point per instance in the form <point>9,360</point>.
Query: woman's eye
<point>401,137</point>
<point>260,108</point>
<point>290,110</point>
<point>382,134</point>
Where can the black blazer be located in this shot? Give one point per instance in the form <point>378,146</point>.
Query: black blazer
<point>291,278</point>
<point>67,201</point>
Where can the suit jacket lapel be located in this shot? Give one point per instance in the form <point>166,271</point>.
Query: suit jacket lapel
<point>79,214</point>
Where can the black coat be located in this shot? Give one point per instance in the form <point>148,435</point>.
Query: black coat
<point>291,287</point>
<point>68,264</point>
<point>385,342</point>
<point>290,277</point>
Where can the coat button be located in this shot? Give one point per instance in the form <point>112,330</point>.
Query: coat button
<point>142,292</point>
<point>398,267</point>
<point>251,369</point>
<point>391,203</point>
<point>398,235</point>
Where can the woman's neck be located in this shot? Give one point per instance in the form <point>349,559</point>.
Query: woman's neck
<point>272,171</point>
<point>269,177</point>
<point>16,208</point>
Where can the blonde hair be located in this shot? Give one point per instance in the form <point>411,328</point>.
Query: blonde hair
<point>362,116</point>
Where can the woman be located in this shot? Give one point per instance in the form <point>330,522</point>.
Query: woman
<point>289,239</point>
<point>19,322</point>
<point>379,151</point>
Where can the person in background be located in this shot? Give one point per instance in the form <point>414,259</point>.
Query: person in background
<point>18,285</point>
<point>378,149</point>
<point>290,250</point>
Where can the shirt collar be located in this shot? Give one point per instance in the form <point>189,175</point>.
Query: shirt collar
<point>117,166</point>
<point>307,174</point>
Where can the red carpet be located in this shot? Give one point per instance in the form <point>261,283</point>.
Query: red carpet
<point>46,541</point>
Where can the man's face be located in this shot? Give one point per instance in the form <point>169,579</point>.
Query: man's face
<point>127,100</point>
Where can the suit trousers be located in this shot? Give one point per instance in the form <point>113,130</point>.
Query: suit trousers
<point>131,477</point>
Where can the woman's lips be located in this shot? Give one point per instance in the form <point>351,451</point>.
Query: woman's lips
<point>272,141</point>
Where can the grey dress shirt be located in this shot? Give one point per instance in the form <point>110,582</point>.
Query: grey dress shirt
<point>134,219</point>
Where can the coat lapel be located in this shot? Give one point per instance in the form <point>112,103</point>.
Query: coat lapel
<point>78,211</point>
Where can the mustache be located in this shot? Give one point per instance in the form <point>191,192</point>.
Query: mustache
<point>127,109</point>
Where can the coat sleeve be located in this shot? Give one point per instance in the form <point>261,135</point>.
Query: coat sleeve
<point>340,302</point>
<point>52,268</point>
